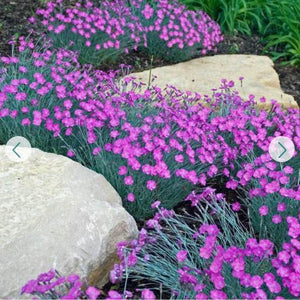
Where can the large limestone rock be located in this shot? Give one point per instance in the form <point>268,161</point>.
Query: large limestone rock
<point>56,213</point>
<point>202,74</point>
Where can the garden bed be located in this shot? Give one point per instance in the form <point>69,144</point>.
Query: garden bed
<point>217,213</point>
<point>14,20</point>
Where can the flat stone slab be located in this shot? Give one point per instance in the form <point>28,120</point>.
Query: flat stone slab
<point>55,213</point>
<point>203,74</point>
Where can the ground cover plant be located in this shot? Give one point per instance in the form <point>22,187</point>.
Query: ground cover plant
<point>194,258</point>
<point>160,141</point>
<point>156,136</point>
<point>173,32</point>
<point>164,148</point>
<point>102,31</point>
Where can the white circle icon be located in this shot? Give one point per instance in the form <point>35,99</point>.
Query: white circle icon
<point>282,149</point>
<point>18,149</point>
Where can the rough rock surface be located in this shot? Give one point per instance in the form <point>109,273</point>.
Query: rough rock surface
<point>202,74</point>
<point>57,213</point>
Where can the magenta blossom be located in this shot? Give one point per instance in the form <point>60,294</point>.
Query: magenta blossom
<point>263,210</point>
<point>148,295</point>
<point>181,255</point>
<point>151,185</point>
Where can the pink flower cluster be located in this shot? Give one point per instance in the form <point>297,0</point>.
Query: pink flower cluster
<point>50,284</point>
<point>177,26</point>
<point>180,139</point>
<point>287,262</point>
<point>120,27</point>
<point>283,273</point>
<point>105,27</point>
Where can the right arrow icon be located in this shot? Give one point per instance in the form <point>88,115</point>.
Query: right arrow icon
<point>284,150</point>
<point>281,148</point>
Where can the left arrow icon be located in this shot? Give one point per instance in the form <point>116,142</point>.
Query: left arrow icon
<point>14,149</point>
<point>18,149</point>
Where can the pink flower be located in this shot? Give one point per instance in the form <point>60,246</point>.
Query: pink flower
<point>34,102</point>
<point>155,204</point>
<point>24,81</point>
<point>256,281</point>
<point>272,187</point>
<point>151,185</point>
<point>61,91</point>
<point>217,295</point>
<point>236,206</point>
<point>2,97</point>
<point>273,286</point>
<point>148,11</point>
<point>181,255</point>
<point>276,219</point>
<point>97,150</point>
<point>231,184</point>
<point>130,197</point>
<point>263,210</point>
<point>179,158</point>
<point>92,293</point>
<point>205,252</point>
<point>284,256</point>
<point>14,113</point>
<point>31,20</point>
<point>73,278</point>
<point>70,153</point>
<point>132,259</point>
<point>128,180</point>
<point>26,122</point>
<point>30,287</point>
<point>212,230</point>
<point>5,60</point>
<point>114,133</point>
<point>185,277</point>
<point>288,170</point>
<point>281,207</point>
<point>199,287</point>
<point>213,170</point>
<point>148,295</point>
<point>122,170</point>
<point>114,295</point>
<point>22,69</point>
<point>218,280</point>
<point>271,165</point>
<point>21,96</point>
<point>37,118</point>
<point>202,179</point>
<point>68,104</point>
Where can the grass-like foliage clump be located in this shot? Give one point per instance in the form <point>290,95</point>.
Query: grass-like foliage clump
<point>212,254</point>
<point>145,143</point>
<point>276,22</point>
<point>102,31</point>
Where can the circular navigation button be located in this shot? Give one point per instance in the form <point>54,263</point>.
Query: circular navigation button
<point>282,149</point>
<point>18,149</point>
